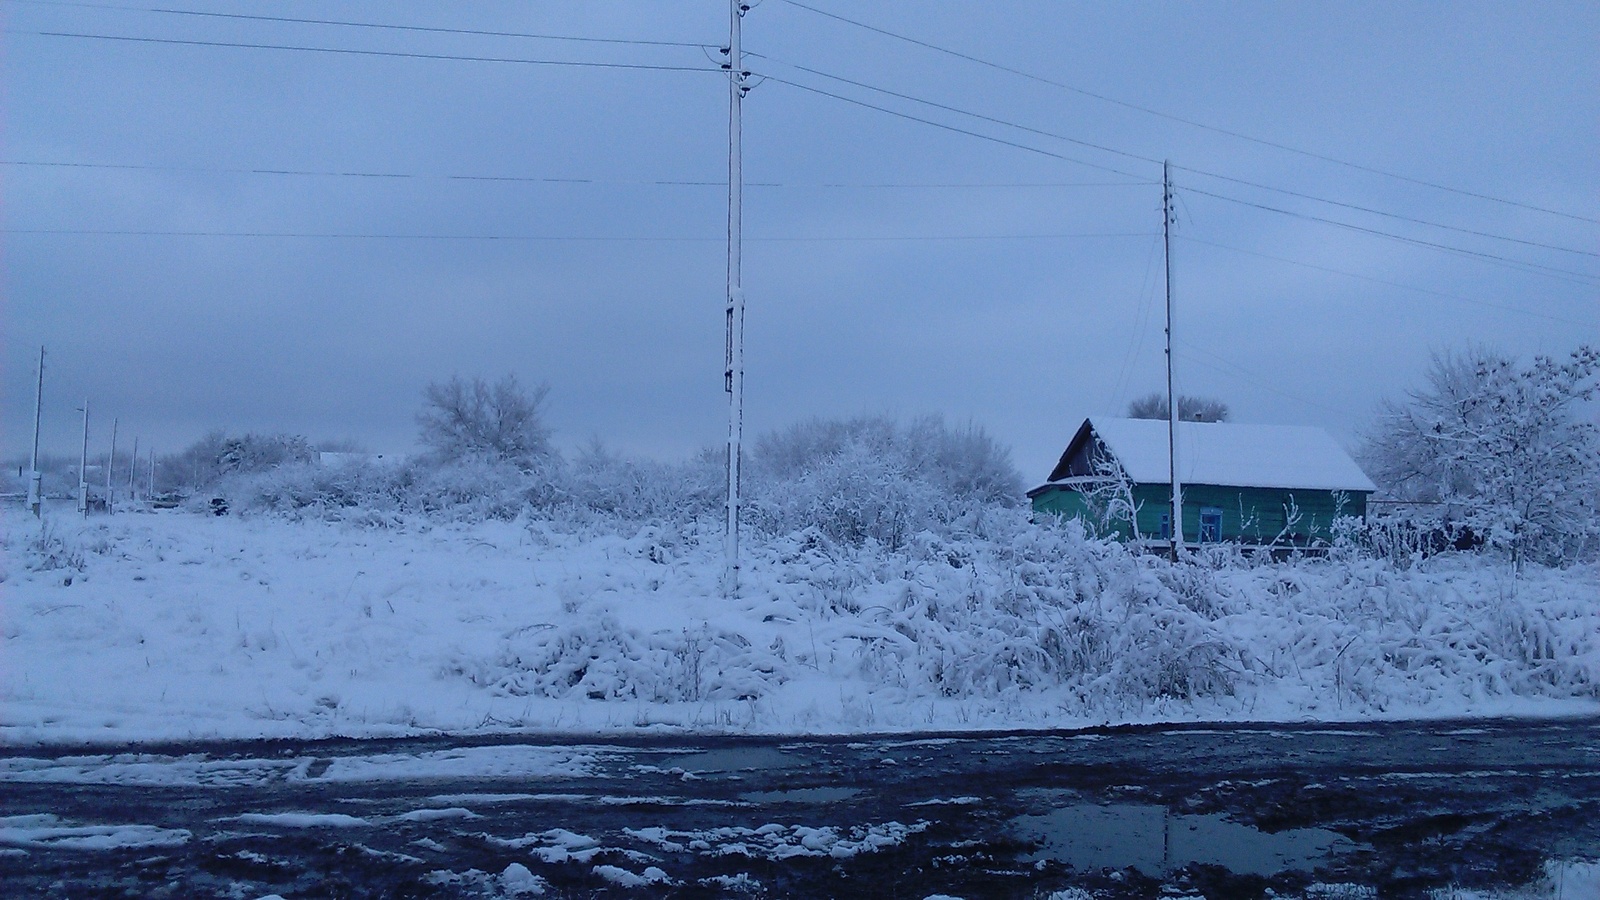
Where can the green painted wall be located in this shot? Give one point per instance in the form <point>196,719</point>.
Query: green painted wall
<point>1249,515</point>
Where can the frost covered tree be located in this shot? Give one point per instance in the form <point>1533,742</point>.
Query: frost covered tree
<point>1190,409</point>
<point>1505,445</point>
<point>872,478</point>
<point>499,422</point>
<point>260,452</point>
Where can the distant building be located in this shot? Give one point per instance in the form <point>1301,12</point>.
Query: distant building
<point>1273,485</point>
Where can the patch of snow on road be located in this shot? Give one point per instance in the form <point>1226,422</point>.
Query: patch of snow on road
<point>557,845</point>
<point>434,815</point>
<point>51,832</point>
<point>515,761</point>
<point>301,820</point>
<point>148,769</point>
<point>777,842</point>
<point>620,876</point>
<point>518,881</point>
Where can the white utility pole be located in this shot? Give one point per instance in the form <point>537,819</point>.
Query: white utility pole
<point>133,470</point>
<point>83,464</point>
<point>111,461</point>
<point>35,498</point>
<point>151,487</point>
<point>733,374</point>
<point>1172,397</point>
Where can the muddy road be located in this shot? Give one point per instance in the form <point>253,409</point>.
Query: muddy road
<point>1390,809</point>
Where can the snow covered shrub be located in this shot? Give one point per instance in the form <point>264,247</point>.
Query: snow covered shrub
<point>872,479</point>
<point>599,659</point>
<point>46,548</point>
<point>471,490</point>
<point>643,490</point>
<point>319,491</point>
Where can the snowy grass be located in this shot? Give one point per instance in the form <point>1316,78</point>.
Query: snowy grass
<point>176,625</point>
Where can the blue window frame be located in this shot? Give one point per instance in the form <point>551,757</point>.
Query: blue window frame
<point>1210,525</point>
<point>1166,526</point>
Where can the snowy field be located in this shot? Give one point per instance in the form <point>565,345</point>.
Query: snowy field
<point>175,625</point>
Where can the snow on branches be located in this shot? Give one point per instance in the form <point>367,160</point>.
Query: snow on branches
<point>1503,448</point>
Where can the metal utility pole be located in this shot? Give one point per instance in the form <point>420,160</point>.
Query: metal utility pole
<point>111,461</point>
<point>83,465</point>
<point>35,498</point>
<point>1172,397</point>
<point>733,374</point>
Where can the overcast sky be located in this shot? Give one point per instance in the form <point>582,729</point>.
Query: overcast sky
<point>480,217</point>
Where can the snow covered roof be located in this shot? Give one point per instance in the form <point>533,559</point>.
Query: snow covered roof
<point>1225,454</point>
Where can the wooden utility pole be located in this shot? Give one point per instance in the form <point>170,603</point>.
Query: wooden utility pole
<point>733,374</point>
<point>1172,397</point>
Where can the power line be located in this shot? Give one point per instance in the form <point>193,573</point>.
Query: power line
<point>1190,122</point>
<point>392,54</point>
<point>1153,161</point>
<point>112,232</point>
<point>377,25</point>
<point>1522,265</point>
<point>1390,215</point>
<point>1240,373</point>
<point>1393,284</point>
<point>946,127</point>
<point>547,179</point>
<point>866,86</point>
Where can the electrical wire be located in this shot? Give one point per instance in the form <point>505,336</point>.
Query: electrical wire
<point>331,173</point>
<point>375,25</point>
<point>1393,284</point>
<point>1153,161</point>
<point>1190,122</point>
<point>114,232</point>
<point>947,127</point>
<point>1521,265</point>
<point>391,54</point>
<point>1239,373</point>
<point>909,97</point>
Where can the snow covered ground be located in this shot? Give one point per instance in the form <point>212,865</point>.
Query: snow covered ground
<point>174,625</point>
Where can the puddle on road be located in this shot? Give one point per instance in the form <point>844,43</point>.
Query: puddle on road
<point>733,759</point>
<point>1153,840</point>
<point>801,795</point>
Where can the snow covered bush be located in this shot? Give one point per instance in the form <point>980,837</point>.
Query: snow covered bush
<point>1505,447</point>
<point>642,490</point>
<point>872,479</point>
<point>471,490</point>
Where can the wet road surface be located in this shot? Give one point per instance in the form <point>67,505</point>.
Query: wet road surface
<point>1393,809</point>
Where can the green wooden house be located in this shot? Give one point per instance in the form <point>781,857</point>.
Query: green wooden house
<point>1264,485</point>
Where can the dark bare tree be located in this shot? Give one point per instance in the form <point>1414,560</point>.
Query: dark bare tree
<point>500,422</point>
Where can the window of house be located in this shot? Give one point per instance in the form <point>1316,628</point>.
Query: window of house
<point>1210,525</point>
<point>1166,526</point>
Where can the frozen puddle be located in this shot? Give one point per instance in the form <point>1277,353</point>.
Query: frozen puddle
<point>1153,840</point>
<point>734,759</point>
